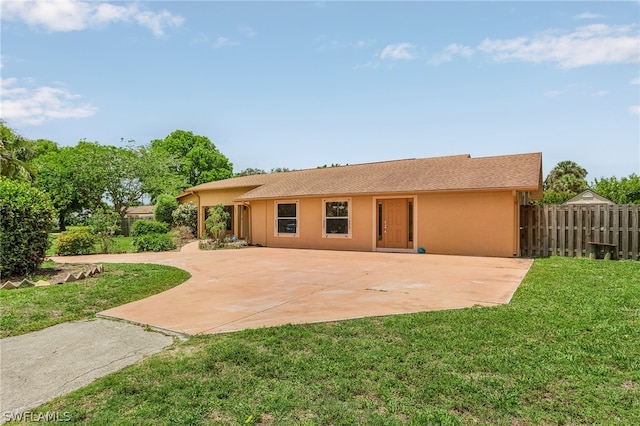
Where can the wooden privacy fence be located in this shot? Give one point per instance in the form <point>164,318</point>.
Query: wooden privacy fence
<point>566,230</point>
<point>127,223</point>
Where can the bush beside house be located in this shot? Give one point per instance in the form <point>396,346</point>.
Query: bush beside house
<point>164,208</point>
<point>186,215</point>
<point>216,223</point>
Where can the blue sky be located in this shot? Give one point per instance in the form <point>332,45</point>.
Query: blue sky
<point>302,84</point>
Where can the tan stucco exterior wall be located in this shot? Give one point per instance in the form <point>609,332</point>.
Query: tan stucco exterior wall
<point>310,225</point>
<point>211,199</point>
<point>463,223</point>
<point>258,212</point>
<point>472,223</point>
<point>191,198</point>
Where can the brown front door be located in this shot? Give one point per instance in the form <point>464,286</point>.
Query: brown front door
<point>393,223</point>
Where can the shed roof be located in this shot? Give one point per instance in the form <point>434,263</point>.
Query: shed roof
<point>139,210</point>
<point>451,173</point>
<point>588,196</point>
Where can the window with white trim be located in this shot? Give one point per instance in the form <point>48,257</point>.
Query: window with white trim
<point>337,218</point>
<point>286,219</point>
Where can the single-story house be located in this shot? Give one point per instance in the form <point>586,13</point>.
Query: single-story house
<point>446,205</point>
<point>588,197</point>
<point>140,212</point>
<point>133,214</point>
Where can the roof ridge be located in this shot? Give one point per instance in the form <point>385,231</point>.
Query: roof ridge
<point>377,162</point>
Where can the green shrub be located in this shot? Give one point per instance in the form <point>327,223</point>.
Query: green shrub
<point>144,227</point>
<point>75,240</point>
<point>25,221</point>
<point>154,242</point>
<point>186,215</point>
<point>216,223</point>
<point>163,211</point>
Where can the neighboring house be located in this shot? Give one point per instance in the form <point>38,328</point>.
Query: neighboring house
<point>134,214</point>
<point>588,196</point>
<point>446,205</point>
<point>140,212</point>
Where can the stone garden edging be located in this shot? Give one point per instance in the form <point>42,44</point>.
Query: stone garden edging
<point>89,272</point>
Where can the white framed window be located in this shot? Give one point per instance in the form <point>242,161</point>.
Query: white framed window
<point>336,218</point>
<point>286,214</point>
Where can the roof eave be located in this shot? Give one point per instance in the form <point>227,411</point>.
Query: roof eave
<point>184,194</point>
<point>531,189</point>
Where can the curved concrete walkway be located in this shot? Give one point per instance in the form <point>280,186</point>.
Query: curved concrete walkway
<point>253,287</point>
<point>37,367</point>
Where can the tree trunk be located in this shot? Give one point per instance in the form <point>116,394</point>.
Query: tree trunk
<point>62,221</point>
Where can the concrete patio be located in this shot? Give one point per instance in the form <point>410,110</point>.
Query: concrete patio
<point>254,287</point>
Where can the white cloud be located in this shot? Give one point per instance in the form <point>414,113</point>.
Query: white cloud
<point>224,42</point>
<point>398,51</point>
<point>33,106</point>
<point>447,55</point>
<point>157,22</point>
<point>247,31</point>
<point>588,15</point>
<point>200,38</point>
<point>76,15</point>
<point>328,44</point>
<point>600,93</point>
<point>588,45</point>
<point>634,109</point>
<point>553,93</point>
<point>372,65</point>
<point>635,81</point>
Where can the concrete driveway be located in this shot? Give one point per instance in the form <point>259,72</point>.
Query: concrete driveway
<point>256,287</point>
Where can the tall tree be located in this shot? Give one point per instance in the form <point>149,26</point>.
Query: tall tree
<point>197,159</point>
<point>249,172</point>
<point>44,146</point>
<point>621,191</point>
<point>280,170</point>
<point>159,174</point>
<point>88,174</point>
<point>127,174</point>
<point>16,152</point>
<point>566,176</point>
<point>564,181</point>
<point>70,183</point>
<point>123,175</point>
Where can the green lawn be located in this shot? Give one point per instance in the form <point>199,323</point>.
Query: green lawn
<point>30,309</point>
<point>566,350</point>
<point>119,244</point>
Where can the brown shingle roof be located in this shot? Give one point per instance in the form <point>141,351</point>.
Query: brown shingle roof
<point>238,182</point>
<point>140,210</point>
<point>453,173</point>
